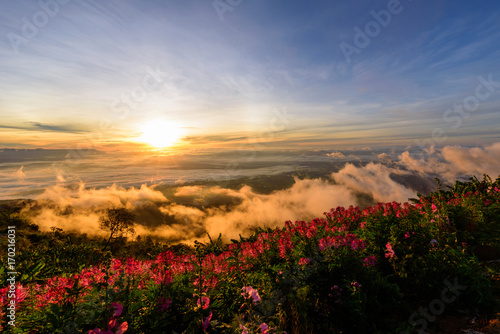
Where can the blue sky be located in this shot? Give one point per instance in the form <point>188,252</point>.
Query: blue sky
<point>270,72</point>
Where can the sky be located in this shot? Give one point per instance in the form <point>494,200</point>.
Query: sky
<point>204,74</point>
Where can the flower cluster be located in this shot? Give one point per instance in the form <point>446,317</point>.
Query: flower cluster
<point>113,326</point>
<point>350,246</point>
<point>249,292</point>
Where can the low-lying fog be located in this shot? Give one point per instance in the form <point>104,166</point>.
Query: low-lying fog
<point>182,197</point>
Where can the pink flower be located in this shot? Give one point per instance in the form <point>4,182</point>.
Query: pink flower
<point>356,285</point>
<point>264,329</point>
<point>249,292</point>
<point>407,234</point>
<point>164,303</point>
<point>245,330</point>
<point>118,310</point>
<point>205,301</point>
<point>304,261</point>
<point>112,323</point>
<point>369,261</point>
<point>390,252</point>
<point>122,328</point>
<point>206,322</point>
<point>434,207</point>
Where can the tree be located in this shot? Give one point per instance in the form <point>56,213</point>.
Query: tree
<point>118,222</point>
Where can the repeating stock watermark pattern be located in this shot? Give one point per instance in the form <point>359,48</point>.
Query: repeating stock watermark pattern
<point>223,6</point>
<point>363,37</point>
<point>138,94</point>
<point>277,123</point>
<point>30,26</point>
<point>461,110</point>
<point>437,306</point>
<point>121,107</point>
<point>419,319</point>
<point>12,274</point>
<point>292,277</point>
<point>247,152</point>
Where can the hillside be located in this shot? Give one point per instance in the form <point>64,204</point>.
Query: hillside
<point>389,268</point>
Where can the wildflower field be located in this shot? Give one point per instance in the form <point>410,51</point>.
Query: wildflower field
<point>389,268</point>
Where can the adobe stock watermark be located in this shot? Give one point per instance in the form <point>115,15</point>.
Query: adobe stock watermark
<point>436,307</point>
<point>12,274</point>
<point>122,107</point>
<point>278,122</point>
<point>223,6</point>
<point>31,26</point>
<point>129,101</point>
<point>248,151</point>
<point>460,110</point>
<point>372,29</point>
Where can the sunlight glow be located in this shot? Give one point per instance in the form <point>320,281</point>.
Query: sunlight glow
<point>160,133</point>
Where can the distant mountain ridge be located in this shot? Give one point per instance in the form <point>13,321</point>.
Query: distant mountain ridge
<point>40,154</point>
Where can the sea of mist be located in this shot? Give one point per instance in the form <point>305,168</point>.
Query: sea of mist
<point>180,197</point>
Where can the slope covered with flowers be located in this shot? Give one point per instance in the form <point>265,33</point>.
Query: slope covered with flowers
<point>355,271</point>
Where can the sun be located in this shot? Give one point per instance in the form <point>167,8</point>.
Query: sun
<point>160,133</point>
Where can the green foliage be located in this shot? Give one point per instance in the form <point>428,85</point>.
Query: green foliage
<point>118,222</point>
<point>357,271</point>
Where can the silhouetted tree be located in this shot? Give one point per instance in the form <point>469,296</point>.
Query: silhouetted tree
<point>118,222</point>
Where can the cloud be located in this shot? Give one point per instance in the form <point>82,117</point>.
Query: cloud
<point>82,222</point>
<point>374,180</point>
<point>112,196</point>
<point>352,156</point>
<point>452,162</point>
<point>186,213</point>
<point>20,174</point>
<point>198,210</point>
<point>384,157</point>
<point>427,164</point>
<point>305,200</point>
<point>181,180</point>
<point>212,209</point>
<point>78,209</point>
<point>336,155</point>
<point>35,126</point>
<point>474,161</point>
<point>56,128</point>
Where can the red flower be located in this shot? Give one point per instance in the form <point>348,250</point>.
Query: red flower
<point>390,252</point>
<point>205,301</point>
<point>434,207</point>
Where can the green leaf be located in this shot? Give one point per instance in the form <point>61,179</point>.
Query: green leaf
<point>52,319</point>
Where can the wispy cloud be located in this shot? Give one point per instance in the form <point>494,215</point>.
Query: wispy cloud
<point>34,126</point>
<point>218,73</point>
